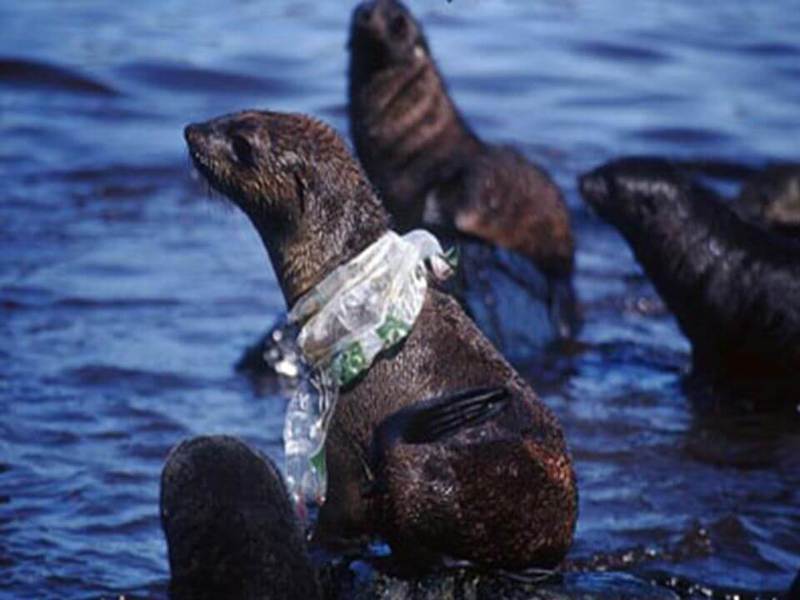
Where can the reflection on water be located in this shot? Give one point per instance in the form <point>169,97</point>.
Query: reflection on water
<point>126,297</point>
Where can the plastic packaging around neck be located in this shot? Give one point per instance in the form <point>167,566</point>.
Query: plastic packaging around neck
<point>360,309</point>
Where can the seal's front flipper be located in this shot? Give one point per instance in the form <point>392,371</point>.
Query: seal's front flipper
<point>434,419</point>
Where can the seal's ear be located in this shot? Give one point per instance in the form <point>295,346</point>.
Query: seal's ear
<point>435,419</point>
<point>301,192</point>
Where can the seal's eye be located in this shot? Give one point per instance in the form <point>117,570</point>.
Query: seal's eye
<point>242,150</point>
<point>398,26</point>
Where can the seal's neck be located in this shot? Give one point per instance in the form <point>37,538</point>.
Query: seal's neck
<point>388,96</point>
<point>302,270</point>
<point>304,253</point>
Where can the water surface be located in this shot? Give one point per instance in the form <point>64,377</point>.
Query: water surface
<point>126,295</point>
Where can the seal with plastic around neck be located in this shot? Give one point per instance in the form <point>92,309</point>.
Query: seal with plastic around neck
<point>362,308</point>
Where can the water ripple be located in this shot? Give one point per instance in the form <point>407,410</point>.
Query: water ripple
<point>22,73</point>
<point>187,78</point>
<point>617,52</point>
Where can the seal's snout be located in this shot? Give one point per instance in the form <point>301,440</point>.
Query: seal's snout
<point>594,187</point>
<point>192,134</point>
<point>368,21</point>
<point>382,33</point>
<point>197,139</point>
<point>381,18</point>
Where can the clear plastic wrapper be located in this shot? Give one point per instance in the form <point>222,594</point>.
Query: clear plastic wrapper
<point>360,309</point>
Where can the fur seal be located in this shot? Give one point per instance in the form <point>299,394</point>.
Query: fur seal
<point>230,529</point>
<point>733,286</point>
<point>769,196</point>
<point>772,197</point>
<point>432,170</point>
<point>499,493</point>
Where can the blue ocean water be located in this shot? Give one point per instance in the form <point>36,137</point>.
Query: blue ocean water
<point>126,295</point>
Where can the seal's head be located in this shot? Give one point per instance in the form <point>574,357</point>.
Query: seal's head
<point>635,194</point>
<point>384,33</point>
<point>297,182</point>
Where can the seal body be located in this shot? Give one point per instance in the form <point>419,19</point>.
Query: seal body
<point>432,170</point>
<point>231,531</point>
<point>502,491</point>
<point>501,494</point>
<point>733,286</point>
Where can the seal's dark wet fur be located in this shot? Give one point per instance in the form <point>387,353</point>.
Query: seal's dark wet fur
<point>231,531</point>
<point>733,286</point>
<point>772,197</point>
<point>769,196</point>
<point>431,169</point>
<point>501,493</point>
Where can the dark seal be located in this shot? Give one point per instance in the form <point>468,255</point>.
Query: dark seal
<point>733,286</point>
<point>769,195</point>
<point>231,531</point>
<point>489,486</point>
<point>432,170</point>
<point>772,197</point>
